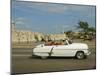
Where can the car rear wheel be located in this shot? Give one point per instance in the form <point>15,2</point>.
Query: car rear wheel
<point>80,55</point>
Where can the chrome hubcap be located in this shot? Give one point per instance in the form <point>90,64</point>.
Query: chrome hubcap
<point>80,55</point>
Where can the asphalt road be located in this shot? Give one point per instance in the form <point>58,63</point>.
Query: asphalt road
<point>22,62</point>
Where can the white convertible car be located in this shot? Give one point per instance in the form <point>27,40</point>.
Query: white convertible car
<point>68,49</point>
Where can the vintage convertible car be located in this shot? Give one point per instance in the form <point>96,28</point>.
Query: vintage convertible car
<point>67,49</point>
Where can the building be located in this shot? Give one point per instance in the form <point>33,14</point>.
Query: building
<point>29,36</point>
<point>57,37</point>
<point>25,36</point>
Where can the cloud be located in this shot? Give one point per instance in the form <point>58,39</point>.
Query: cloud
<point>21,19</point>
<point>21,22</point>
<point>18,19</point>
<point>72,11</point>
<point>47,7</point>
<point>55,8</point>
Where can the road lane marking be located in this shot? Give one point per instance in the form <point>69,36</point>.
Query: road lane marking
<point>20,55</point>
<point>22,51</point>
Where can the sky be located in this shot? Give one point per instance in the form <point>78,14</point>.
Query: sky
<point>50,17</point>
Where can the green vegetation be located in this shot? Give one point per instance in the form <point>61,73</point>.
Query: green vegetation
<point>85,27</point>
<point>86,33</point>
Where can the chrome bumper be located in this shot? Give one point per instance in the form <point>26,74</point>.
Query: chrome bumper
<point>88,53</point>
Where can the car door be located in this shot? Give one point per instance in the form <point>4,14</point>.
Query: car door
<point>63,50</point>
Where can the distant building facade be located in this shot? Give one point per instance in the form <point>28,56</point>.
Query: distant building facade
<point>29,36</point>
<point>57,37</point>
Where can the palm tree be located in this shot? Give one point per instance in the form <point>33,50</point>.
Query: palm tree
<point>92,29</point>
<point>86,30</point>
<point>83,25</point>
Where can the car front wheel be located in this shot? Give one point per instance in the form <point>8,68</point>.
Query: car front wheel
<point>80,55</point>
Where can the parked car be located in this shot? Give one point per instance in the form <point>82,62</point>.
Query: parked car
<point>67,49</point>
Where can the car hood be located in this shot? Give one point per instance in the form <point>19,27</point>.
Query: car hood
<point>79,45</point>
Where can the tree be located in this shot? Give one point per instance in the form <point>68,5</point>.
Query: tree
<point>91,29</point>
<point>88,31</point>
<point>83,25</point>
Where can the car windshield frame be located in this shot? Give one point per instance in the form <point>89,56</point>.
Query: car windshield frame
<point>70,42</point>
